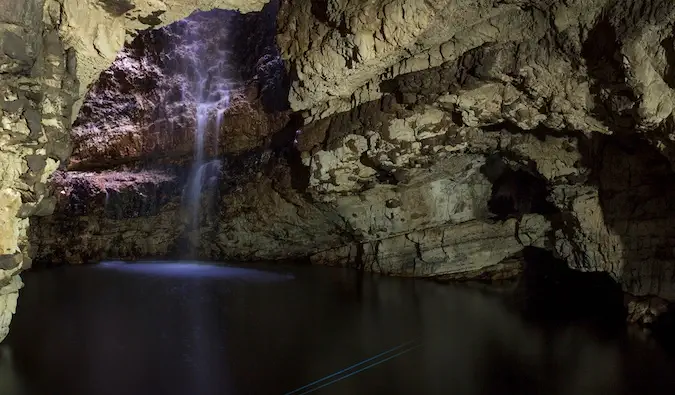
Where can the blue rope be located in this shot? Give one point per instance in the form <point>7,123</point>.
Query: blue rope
<point>354,366</point>
<point>362,369</point>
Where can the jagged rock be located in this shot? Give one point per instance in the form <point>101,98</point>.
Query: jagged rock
<point>9,293</point>
<point>645,310</point>
<point>402,111</point>
<point>618,224</point>
<point>97,30</point>
<point>145,105</point>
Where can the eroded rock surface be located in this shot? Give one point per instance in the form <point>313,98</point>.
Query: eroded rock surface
<point>36,86</point>
<point>97,30</point>
<point>440,137</point>
<point>144,106</point>
<point>51,51</point>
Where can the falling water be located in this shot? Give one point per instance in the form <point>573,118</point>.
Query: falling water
<point>209,84</point>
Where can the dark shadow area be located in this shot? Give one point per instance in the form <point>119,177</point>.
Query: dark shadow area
<point>614,100</point>
<point>117,7</point>
<point>636,187</point>
<point>637,195</point>
<point>663,329</point>
<point>515,192</point>
<point>321,11</point>
<point>550,291</point>
<point>668,46</point>
<point>190,329</point>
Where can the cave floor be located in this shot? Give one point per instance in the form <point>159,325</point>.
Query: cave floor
<point>185,328</point>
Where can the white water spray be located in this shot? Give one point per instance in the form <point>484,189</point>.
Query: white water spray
<point>209,84</point>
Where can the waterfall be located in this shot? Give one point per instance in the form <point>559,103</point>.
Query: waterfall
<point>208,84</point>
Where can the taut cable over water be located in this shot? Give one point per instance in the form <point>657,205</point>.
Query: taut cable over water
<point>349,371</point>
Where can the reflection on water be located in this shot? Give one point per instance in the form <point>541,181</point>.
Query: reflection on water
<point>194,269</point>
<point>158,328</point>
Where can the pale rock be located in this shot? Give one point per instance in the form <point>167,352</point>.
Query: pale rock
<point>418,126</point>
<point>438,251</point>
<point>9,295</point>
<point>455,192</point>
<point>340,170</point>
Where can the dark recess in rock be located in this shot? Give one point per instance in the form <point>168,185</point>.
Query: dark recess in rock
<point>664,328</point>
<point>613,98</point>
<point>152,19</point>
<point>549,290</point>
<point>515,191</point>
<point>117,7</point>
<point>34,121</point>
<point>636,186</point>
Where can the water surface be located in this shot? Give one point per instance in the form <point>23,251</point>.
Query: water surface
<point>189,328</point>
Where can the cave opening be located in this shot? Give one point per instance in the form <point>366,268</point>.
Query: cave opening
<point>397,139</point>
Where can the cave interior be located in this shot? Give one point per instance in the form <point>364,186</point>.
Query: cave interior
<point>510,159</point>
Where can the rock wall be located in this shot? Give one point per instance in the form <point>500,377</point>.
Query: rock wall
<point>97,30</point>
<point>38,86</point>
<point>563,73</point>
<point>551,59</point>
<point>144,105</point>
<point>138,123</point>
<point>439,138</point>
<point>52,50</point>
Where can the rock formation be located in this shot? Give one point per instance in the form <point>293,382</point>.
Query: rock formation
<point>430,138</point>
<point>52,50</point>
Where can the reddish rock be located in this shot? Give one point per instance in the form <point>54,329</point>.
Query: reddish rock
<point>144,106</point>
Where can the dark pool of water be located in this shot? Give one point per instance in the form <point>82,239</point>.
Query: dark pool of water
<point>183,329</point>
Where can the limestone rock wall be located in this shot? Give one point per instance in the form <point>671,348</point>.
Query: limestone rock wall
<point>546,79</point>
<point>340,52</point>
<point>405,104</point>
<point>37,88</point>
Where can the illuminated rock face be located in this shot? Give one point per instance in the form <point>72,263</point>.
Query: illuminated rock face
<point>35,97</point>
<point>578,93</point>
<point>144,105</point>
<point>403,103</point>
<point>52,50</point>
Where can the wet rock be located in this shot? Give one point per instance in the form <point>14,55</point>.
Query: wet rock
<point>438,252</point>
<point>145,104</point>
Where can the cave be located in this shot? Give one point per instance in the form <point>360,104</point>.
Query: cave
<point>286,196</point>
